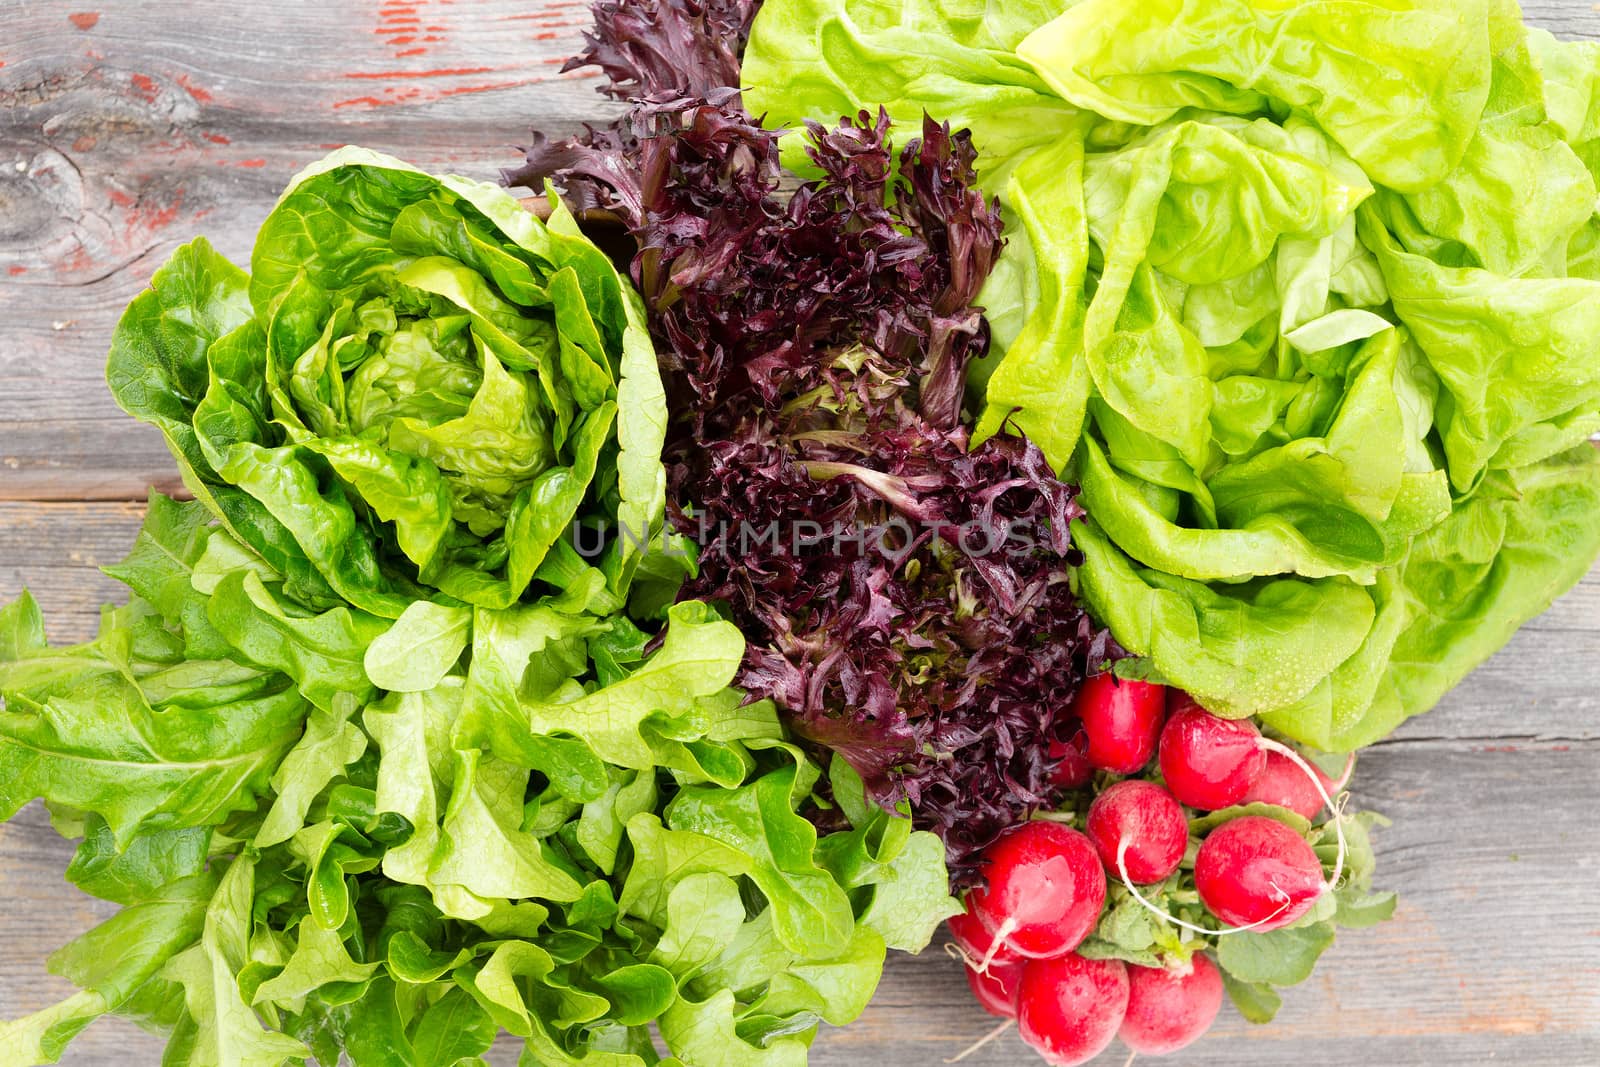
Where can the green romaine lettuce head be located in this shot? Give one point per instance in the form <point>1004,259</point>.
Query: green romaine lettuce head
<point>532,825</point>
<point>1306,295</point>
<point>419,386</point>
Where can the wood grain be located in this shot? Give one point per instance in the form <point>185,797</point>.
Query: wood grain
<point>127,128</point>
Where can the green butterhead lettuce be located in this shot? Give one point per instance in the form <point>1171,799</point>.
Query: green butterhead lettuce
<point>1303,293</point>
<point>418,387</point>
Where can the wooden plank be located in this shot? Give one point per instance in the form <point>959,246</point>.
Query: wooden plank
<point>1567,18</point>
<point>142,124</point>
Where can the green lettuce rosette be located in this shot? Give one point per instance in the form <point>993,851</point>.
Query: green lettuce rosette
<point>419,388</point>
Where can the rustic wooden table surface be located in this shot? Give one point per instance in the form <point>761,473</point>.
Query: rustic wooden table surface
<point>129,126</point>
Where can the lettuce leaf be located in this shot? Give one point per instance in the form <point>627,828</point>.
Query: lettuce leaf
<point>417,389</point>
<point>556,824</point>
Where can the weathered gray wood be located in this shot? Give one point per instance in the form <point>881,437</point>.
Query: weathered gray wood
<point>141,123</point>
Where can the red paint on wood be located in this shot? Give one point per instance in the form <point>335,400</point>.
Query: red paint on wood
<point>404,40</point>
<point>16,268</point>
<point>147,86</point>
<point>217,138</point>
<point>329,146</point>
<point>80,260</point>
<point>151,217</point>
<point>413,52</point>
<point>393,97</point>
<point>84,143</point>
<point>437,29</point>
<point>251,163</point>
<point>551,17</point>
<point>194,90</point>
<point>443,72</point>
<point>119,198</point>
<point>548,35</point>
<point>554,19</point>
<point>518,83</point>
<point>84,20</point>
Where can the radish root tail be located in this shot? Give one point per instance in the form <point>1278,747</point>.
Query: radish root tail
<point>1007,928</point>
<point>960,955</point>
<point>982,1041</point>
<point>1122,871</point>
<point>1334,809</point>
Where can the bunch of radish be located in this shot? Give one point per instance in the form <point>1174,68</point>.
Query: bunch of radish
<point>1046,881</point>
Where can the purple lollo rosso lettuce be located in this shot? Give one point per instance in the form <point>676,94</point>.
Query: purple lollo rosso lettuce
<point>906,597</point>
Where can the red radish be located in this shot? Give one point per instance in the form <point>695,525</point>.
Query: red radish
<point>1045,890</point>
<point>1209,762</point>
<point>1123,720</point>
<point>1256,872</point>
<point>1170,1010</point>
<point>1069,1009</point>
<point>1073,769</point>
<point>996,988</point>
<point>1145,823</point>
<point>1284,783</point>
<point>976,941</point>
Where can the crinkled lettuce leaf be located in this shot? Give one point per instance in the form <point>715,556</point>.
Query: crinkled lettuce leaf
<point>417,389</point>
<point>544,821</point>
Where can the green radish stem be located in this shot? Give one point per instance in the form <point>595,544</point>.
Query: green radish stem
<point>1338,828</point>
<point>1344,777</point>
<point>982,1041</point>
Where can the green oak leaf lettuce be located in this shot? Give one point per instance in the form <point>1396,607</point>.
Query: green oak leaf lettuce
<point>1307,297</point>
<point>544,821</point>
